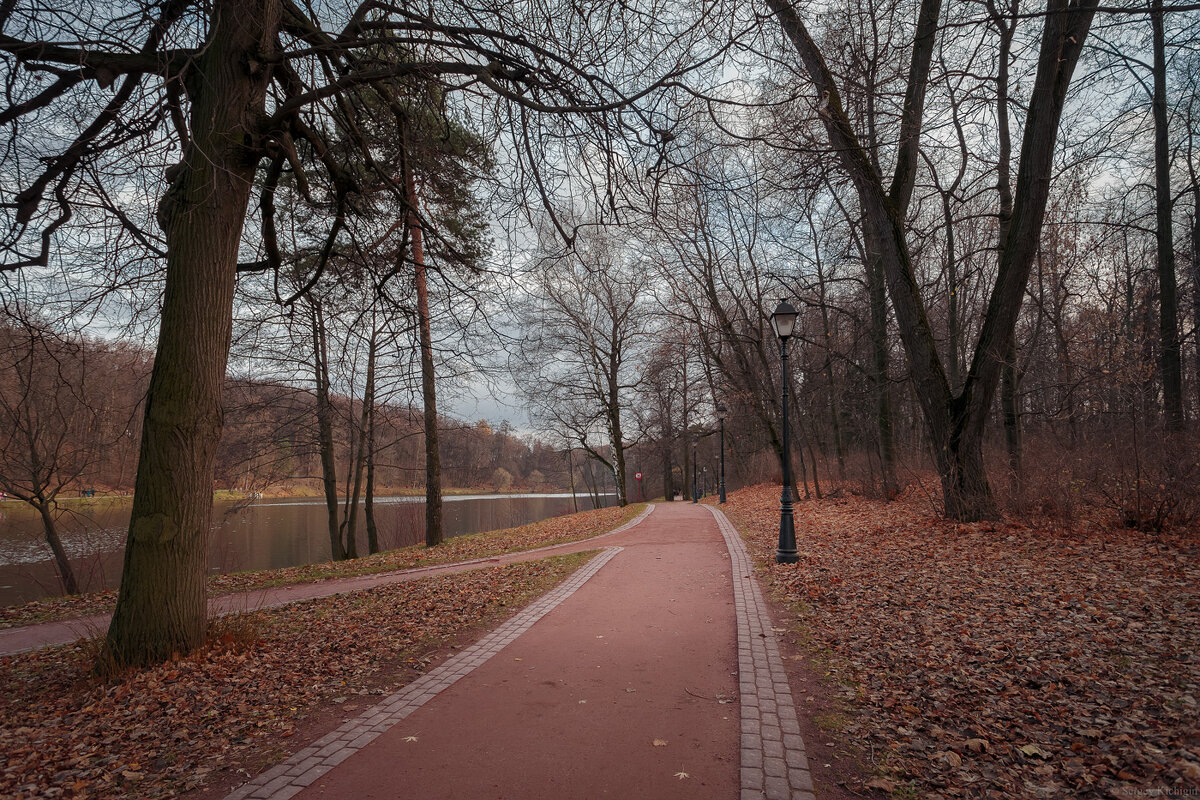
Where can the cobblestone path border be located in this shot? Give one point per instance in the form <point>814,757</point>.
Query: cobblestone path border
<point>774,761</point>
<point>309,764</point>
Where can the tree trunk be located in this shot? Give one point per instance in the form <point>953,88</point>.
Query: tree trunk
<point>1196,282</point>
<point>1009,402</point>
<point>360,454</point>
<point>831,389</point>
<point>161,606</point>
<point>618,446</point>
<point>880,379</point>
<point>1168,295</point>
<point>433,459</point>
<point>668,477</point>
<point>369,504</point>
<point>325,429</point>
<point>65,572</point>
<point>571,477</point>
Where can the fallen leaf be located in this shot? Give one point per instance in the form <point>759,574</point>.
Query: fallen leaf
<point>660,742</point>
<point>1033,750</point>
<point>410,738</point>
<point>883,784</point>
<point>682,775</point>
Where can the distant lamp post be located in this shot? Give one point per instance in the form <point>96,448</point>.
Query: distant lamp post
<point>694,498</point>
<point>721,412</point>
<point>784,321</point>
<point>704,481</point>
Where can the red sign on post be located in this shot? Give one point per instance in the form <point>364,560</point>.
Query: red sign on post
<point>637,476</point>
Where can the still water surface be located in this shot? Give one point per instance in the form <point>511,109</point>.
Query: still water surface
<point>267,534</point>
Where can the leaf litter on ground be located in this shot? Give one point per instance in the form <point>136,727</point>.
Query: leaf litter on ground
<point>996,660</point>
<point>160,732</point>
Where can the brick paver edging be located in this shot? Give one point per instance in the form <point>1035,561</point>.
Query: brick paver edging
<point>318,758</point>
<point>774,762</point>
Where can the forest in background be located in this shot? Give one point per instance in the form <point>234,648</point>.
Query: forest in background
<point>75,406</point>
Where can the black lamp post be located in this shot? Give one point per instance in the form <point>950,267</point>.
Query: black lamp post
<point>721,411</point>
<point>783,321</point>
<point>694,498</point>
<point>704,482</point>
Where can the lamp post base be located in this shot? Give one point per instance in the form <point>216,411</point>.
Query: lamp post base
<point>786,552</point>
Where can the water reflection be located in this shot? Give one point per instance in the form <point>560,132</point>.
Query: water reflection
<point>267,534</point>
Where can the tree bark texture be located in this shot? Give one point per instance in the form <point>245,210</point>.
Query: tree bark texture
<point>1010,383</point>
<point>369,501</point>
<point>161,606</point>
<point>1170,360</point>
<point>880,379</point>
<point>360,454</point>
<point>325,429</point>
<point>433,459</point>
<point>1196,280</point>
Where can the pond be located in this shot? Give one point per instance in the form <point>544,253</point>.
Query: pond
<point>266,534</point>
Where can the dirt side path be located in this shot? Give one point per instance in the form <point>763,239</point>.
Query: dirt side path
<point>617,692</point>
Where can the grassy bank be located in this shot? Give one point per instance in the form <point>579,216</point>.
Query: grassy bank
<point>555,530</point>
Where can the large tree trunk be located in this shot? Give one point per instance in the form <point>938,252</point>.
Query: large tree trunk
<point>161,607</point>
<point>1168,296</point>
<point>955,422</point>
<point>1009,380</point>
<point>325,429</point>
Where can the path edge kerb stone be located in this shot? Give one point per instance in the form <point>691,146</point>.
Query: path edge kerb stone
<point>774,763</point>
<point>310,763</point>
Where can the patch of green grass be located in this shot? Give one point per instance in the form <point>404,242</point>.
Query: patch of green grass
<point>835,722</point>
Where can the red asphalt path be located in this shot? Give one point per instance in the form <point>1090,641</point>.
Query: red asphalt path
<point>650,673</point>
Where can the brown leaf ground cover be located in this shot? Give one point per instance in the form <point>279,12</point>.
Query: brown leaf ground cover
<point>555,530</point>
<point>997,660</point>
<point>163,731</point>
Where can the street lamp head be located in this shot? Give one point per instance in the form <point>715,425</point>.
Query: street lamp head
<point>721,411</point>
<point>783,320</point>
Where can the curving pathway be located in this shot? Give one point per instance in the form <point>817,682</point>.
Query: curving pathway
<point>652,672</point>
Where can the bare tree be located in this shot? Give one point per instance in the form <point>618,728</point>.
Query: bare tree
<point>580,326</point>
<point>955,420</point>
<point>222,89</point>
<point>53,432</point>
